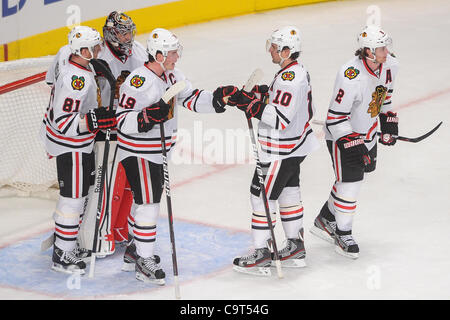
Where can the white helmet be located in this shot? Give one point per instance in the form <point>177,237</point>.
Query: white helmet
<point>285,37</point>
<point>164,41</point>
<point>373,37</point>
<point>83,37</point>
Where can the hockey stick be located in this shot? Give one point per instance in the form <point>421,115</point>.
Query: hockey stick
<point>169,94</point>
<point>251,82</point>
<point>106,72</point>
<point>401,138</point>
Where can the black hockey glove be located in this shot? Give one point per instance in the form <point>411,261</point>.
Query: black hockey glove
<point>354,152</point>
<point>100,118</point>
<point>389,128</point>
<point>149,116</point>
<point>247,102</point>
<point>219,97</point>
<point>263,90</point>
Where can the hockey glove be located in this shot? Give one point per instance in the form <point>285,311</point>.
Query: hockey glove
<point>263,90</point>
<point>389,128</point>
<point>354,152</point>
<point>247,102</point>
<point>100,118</point>
<point>220,97</point>
<point>149,116</point>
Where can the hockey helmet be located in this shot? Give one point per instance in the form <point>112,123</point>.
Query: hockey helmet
<point>84,37</point>
<point>373,37</point>
<point>164,41</point>
<point>285,37</point>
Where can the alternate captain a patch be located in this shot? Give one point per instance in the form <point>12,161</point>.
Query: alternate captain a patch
<point>137,81</point>
<point>77,83</point>
<point>351,73</point>
<point>288,75</point>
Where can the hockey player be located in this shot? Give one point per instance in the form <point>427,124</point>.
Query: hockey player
<point>70,125</point>
<point>286,138</point>
<point>361,99</point>
<point>140,114</point>
<point>122,54</point>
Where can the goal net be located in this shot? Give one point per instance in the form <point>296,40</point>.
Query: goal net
<point>25,169</point>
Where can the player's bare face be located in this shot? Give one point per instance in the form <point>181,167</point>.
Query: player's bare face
<point>171,59</point>
<point>381,54</point>
<point>273,50</point>
<point>97,50</point>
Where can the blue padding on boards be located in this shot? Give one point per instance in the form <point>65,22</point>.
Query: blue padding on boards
<point>201,250</point>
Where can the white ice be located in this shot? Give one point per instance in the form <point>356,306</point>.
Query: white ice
<point>403,217</point>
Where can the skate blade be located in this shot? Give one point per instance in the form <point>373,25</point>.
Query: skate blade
<point>350,255</point>
<point>146,279</point>
<point>322,234</point>
<point>128,266</point>
<point>291,263</point>
<point>60,268</point>
<point>256,271</point>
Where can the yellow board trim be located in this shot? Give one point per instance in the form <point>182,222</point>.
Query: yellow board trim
<point>170,15</point>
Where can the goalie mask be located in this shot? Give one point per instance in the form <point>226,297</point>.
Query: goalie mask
<point>163,40</point>
<point>84,37</point>
<point>373,37</point>
<point>119,31</point>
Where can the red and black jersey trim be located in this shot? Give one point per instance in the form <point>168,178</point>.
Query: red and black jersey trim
<point>303,138</point>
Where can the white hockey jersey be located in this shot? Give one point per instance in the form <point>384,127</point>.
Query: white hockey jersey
<point>141,89</point>
<point>137,58</point>
<point>73,95</point>
<point>61,59</point>
<point>284,130</point>
<point>359,96</point>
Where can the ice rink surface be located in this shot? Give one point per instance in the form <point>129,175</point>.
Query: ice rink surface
<point>403,218</point>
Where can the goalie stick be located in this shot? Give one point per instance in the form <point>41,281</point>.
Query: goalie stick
<point>401,138</point>
<point>169,94</point>
<point>101,66</point>
<point>255,77</point>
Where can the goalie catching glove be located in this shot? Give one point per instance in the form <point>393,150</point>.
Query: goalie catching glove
<point>149,116</point>
<point>389,128</point>
<point>247,102</point>
<point>354,152</point>
<point>100,118</point>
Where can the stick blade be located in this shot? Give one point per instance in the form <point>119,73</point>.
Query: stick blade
<point>255,77</point>
<point>175,89</point>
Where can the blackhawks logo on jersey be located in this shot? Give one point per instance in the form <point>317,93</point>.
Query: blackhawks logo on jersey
<point>288,75</point>
<point>77,83</point>
<point>378,97</point>
<point>351,73</point>
<point>137,81</point>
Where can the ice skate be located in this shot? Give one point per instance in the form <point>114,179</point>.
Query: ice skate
<point>148,270</point>
<point>256,263</point>
<point>324,225</point>
<point>83,253</point>
<point>130,256</point>
<point>293,254</point>
<point>67,261</point>
<point>346,244</point>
